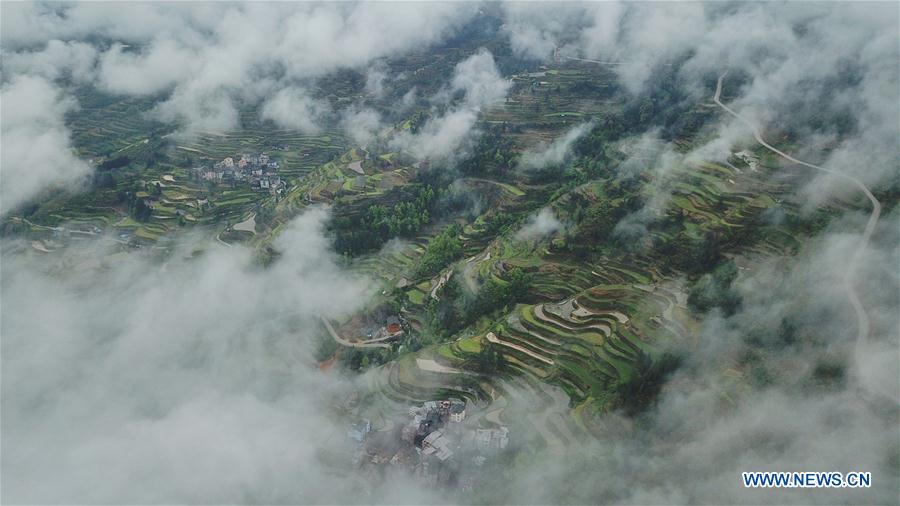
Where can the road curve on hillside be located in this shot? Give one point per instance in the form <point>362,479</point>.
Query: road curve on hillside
<point>340,340</point>
<point>219,238</point>
<point>862,317</point>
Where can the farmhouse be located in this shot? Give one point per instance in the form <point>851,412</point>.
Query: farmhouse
<point>457,410</point>
<point>393,325</point>
<point>438,445</point>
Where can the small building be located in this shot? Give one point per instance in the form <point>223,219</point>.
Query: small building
<point>457,410</point>
<point>393,325</point>
<point>438,445</point>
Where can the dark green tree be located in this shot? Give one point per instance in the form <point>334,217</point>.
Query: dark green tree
<point>489,359</point>
<point>640,391</point>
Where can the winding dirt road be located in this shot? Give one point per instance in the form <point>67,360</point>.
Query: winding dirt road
<point>494,339</point>
<point>342,341</point>
<point>862,318</point>
<point>219,238</point>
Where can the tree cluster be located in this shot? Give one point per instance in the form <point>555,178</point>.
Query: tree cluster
<point>494,155</point>
<point>489,360</point>
<point>358,233</point>
<point>713,290</point>
<point>454,310</point>
<point>639,392</point>
<point>441,250</point>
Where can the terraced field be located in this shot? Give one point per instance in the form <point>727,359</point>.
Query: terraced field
<point>586,320</point>
<point>297,153</point>
<point>596,318</point>
<point>544,103</point>
<point>106,126</point>
<point>587,343</point>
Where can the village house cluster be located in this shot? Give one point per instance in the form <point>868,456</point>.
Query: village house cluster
<point>391,329</point>
<point>434,445</point>
<point>424,429</point>
<point>260,172</point>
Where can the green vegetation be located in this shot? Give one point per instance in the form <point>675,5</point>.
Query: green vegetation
<point>639,392</point>
<point>357,233</point>
<point>488,359</point>
<point>714,290</point>
<point>441,250</point>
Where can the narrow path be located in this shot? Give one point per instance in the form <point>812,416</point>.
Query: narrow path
<point>862,333</point>
<point>71,231</point>
<point>442,280</point>
<point>602,62</point>
<point>219,238</point>
<point>45,227</point>
<point>539,313</point>
<point>494,339</point>
<point>518,327</point>
<point>599,62</point>
<point>38,245</point>
<point>344,342</point>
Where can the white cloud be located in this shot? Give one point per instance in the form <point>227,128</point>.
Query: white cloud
<point>554,153</point>
<point>55,61</point>
<point>157,69</point>
<point>443,136</point>
<point>439,137</point>
<point>479,78</point>
<point>375,78</point>
<point>535,29</point>
<point>187,382</point>
<point>361,124</point>
<point>294,109</point>
<point>36,148</point>
<point>211,111</point>
<point>539,225</point>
